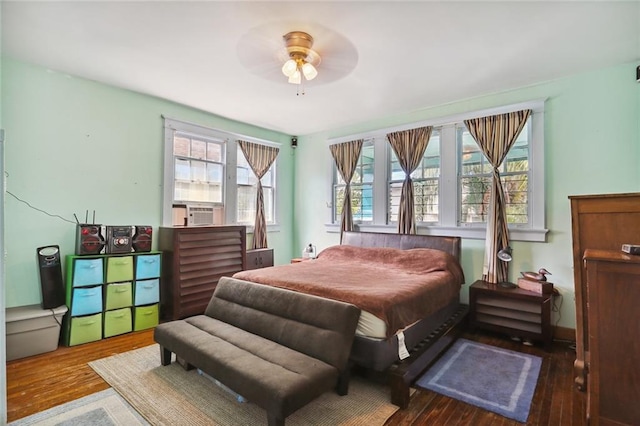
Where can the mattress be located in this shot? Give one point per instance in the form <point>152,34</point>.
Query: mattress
<point>394,288</point>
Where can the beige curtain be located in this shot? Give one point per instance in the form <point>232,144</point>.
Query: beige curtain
<point>409,146</point>
<point>495,136</point>
<point>346,157</point>
<point>260,158</point>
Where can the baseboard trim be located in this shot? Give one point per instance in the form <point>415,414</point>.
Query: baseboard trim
<point>563,333</point>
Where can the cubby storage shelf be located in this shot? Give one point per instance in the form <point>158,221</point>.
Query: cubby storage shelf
<point>111,294</point>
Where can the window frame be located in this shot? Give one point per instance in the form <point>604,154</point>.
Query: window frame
<point>230,182</point>
<point>449,223</point>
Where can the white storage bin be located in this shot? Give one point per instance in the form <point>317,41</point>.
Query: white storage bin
<point>31,330</point>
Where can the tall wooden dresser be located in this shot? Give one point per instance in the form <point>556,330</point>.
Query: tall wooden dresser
<point>613,360</point>
<point>194,259</point>
<point>598,222</point>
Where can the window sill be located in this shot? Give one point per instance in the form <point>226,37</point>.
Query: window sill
<point>474,233</point>
<point>270,228</point>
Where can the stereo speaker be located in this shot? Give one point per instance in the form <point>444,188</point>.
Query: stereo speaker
<point>89,239</point>
<point>50,277</point>
<point>118,239</point>
<point>142,238</point>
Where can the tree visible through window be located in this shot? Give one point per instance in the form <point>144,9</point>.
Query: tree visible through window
<point>361,187</point>
<point>475,179</point>
<point>426,182</point>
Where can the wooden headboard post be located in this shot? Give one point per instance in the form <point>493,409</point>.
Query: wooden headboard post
<point>451,245</point>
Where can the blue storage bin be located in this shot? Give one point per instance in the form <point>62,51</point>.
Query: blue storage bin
<point>86,301</point>
<point>147,292</point>
<point>87,272</point>
<point>147,266</point>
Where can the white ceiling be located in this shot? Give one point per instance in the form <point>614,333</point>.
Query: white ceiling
<point>380,59</point>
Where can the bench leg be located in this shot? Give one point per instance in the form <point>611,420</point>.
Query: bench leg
<point>343,382</point>
<point>273,420</point>
<point>165,356</point>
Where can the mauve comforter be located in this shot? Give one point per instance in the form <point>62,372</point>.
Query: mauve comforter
<point>398,286</point>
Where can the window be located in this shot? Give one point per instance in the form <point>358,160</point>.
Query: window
<point>198,165</point>
<point>426,183</point>
<point>476,173</point>
<point>361,187</point>
<point>452,182</point>
<point>199,169</point>
<point>248,189</point>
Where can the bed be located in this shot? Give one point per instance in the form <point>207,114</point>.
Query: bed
<point>408,287</point>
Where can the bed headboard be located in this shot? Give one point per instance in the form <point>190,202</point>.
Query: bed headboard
<point>449,245</point>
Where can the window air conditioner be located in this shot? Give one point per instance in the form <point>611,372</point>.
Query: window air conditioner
<point>197,215</point>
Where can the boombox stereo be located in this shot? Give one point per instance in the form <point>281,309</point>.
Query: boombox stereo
<point>89,239</point>
<point>142,238</point>
<point>119,239</point>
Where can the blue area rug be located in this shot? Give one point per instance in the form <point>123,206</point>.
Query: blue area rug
<point>498,380</point>
<point>104,408</point>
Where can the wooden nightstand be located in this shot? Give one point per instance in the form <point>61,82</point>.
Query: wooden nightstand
<point>516,312</point>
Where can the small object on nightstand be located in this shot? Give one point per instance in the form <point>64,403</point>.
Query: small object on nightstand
<point>631,249</point>
<point>541,275</point>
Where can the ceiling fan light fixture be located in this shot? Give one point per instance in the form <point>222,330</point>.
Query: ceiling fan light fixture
<point>309,71</point>
<point>295,78</point>
<point>303,60</point>
<point>289,67</point>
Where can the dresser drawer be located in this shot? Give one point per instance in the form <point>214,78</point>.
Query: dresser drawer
<point>147,266</point>
<point>87,272</point>
<point>86,301</point>
<point>119,269</point>
<point>85,329</point>
<point>147,292</point>
<point>117,322</point>
<point>145,317</point>
<point>119,295</point>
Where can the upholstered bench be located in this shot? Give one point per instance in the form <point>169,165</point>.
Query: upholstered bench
<point>277,348</point>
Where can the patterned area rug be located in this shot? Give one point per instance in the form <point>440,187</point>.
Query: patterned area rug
<point>498,380</point>
<point>105,408</point>
<point>172,396</point>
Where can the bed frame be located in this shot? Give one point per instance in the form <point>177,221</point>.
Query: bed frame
<point>427,339</point>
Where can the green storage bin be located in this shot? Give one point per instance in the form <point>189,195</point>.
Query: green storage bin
<point>117,322</point>
<point>145,317</point>
<point>85,329</point>
<point>119,295</point>
<point>119,269</point>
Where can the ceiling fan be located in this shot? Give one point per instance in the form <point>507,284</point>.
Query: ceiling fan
<point>310,53</point>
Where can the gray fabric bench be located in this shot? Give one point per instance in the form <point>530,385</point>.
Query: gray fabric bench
<point>277,348</point>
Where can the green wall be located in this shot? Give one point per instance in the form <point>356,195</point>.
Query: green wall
<point>74,145</point>
<point>592,140</point>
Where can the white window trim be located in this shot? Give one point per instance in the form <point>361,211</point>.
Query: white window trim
<point>534,231</point>
<point>230,194</point>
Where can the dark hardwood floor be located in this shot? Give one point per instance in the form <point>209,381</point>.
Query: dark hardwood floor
<point>43,381</point>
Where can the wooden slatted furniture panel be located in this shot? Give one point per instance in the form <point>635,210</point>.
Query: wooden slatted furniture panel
<point>513,311</point>
<point>195,258</point>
